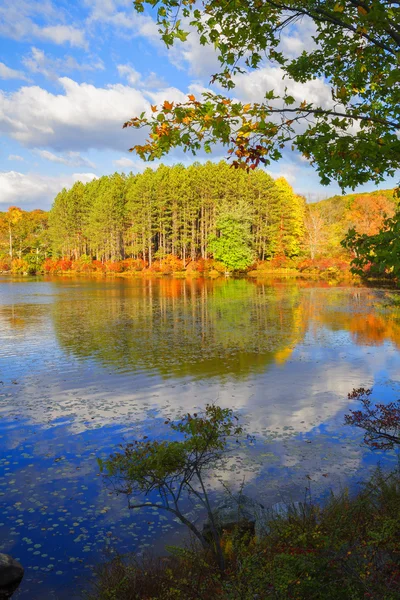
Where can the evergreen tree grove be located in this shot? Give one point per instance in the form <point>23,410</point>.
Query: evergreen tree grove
<point>203,211</point>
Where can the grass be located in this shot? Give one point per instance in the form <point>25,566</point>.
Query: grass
<point>348,549</point>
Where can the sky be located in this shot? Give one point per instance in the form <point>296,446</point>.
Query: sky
<point>72,72</point>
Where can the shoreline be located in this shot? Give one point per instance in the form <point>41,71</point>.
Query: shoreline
<point>289,273</point>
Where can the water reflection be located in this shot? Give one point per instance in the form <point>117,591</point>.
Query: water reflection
<point>178,328</point>
<point>86,363</point>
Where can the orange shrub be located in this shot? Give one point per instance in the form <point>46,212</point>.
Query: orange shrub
<point>98,266</point>
<point>323,264</point>
<point>64,264</point>
<point>5,265</point>
<point>279,262</point>
<point>133,264</point>
<point>19,265</point>
<point>113,266</point>
<point>155,267</point>
<point>196,265</point>
<point>170,263</point>
<point>84,267</point>
<point>50,266</point>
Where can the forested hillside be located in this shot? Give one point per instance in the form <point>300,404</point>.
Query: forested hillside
<point>181,215</point>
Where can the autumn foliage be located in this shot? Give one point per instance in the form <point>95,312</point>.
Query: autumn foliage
<point>380,422</point>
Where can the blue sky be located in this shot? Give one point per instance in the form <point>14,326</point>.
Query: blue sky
<point>72,72</point>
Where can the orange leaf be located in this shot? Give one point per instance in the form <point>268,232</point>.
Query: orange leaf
<point>191,97</point>
<point>362,11</point>
<point>168,105</point>
<point>154,108</point>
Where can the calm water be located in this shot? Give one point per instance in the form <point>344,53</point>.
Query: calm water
<point>86,364</point>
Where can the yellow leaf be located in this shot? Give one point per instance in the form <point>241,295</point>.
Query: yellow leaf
<point>338,7</point>
<point>362,11</point>
<point>246,107</point>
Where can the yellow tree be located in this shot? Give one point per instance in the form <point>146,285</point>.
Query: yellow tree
<point>287,221</point>
<point>11,219</point>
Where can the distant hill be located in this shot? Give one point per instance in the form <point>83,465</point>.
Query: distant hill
<point>330,219</point>
<point>337,206</point>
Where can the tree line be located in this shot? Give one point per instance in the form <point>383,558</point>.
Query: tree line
<point>196,212</point>
<point>179,211</point>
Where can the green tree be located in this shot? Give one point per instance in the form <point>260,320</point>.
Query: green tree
<point>106,218</point>
<point>350,137</point>
<point>233,243</point>
<point>175,470</point>
<point>67,221</point>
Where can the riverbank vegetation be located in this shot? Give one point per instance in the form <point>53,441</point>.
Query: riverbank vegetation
<point>202,220</point>
<point>347,547</point>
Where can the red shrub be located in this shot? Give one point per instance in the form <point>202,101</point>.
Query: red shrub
<point>50,266</point>
<point>64,264</point>
<point>133,264</point>
<point>279,262</point>
<point>113,267</point>
<point>98,266</point>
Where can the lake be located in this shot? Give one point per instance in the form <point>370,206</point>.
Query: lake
<point>86,364</point>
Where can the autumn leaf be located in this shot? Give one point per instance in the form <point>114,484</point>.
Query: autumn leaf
<point>153,108</point>
<point>191,98</point>
<point>168,105</point>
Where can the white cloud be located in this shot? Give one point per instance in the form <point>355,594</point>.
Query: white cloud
<point>153,81</point>
<point>40,190</point>
<point>201,60</point>
<point>296,39</point>
<point>38,62</point>
<point>15,157</point>
<point>59,34</point>
<point>253,86</point>
<point>8,73</point>
<point>129,73</point>
<point>71,159</point>
<point>17,21</point>
<point>124,162</point>
<point>134,78</point>
<point>287,171</point>
<point>81,117</point>
<point>172,94</point>
<point>129,24</point>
